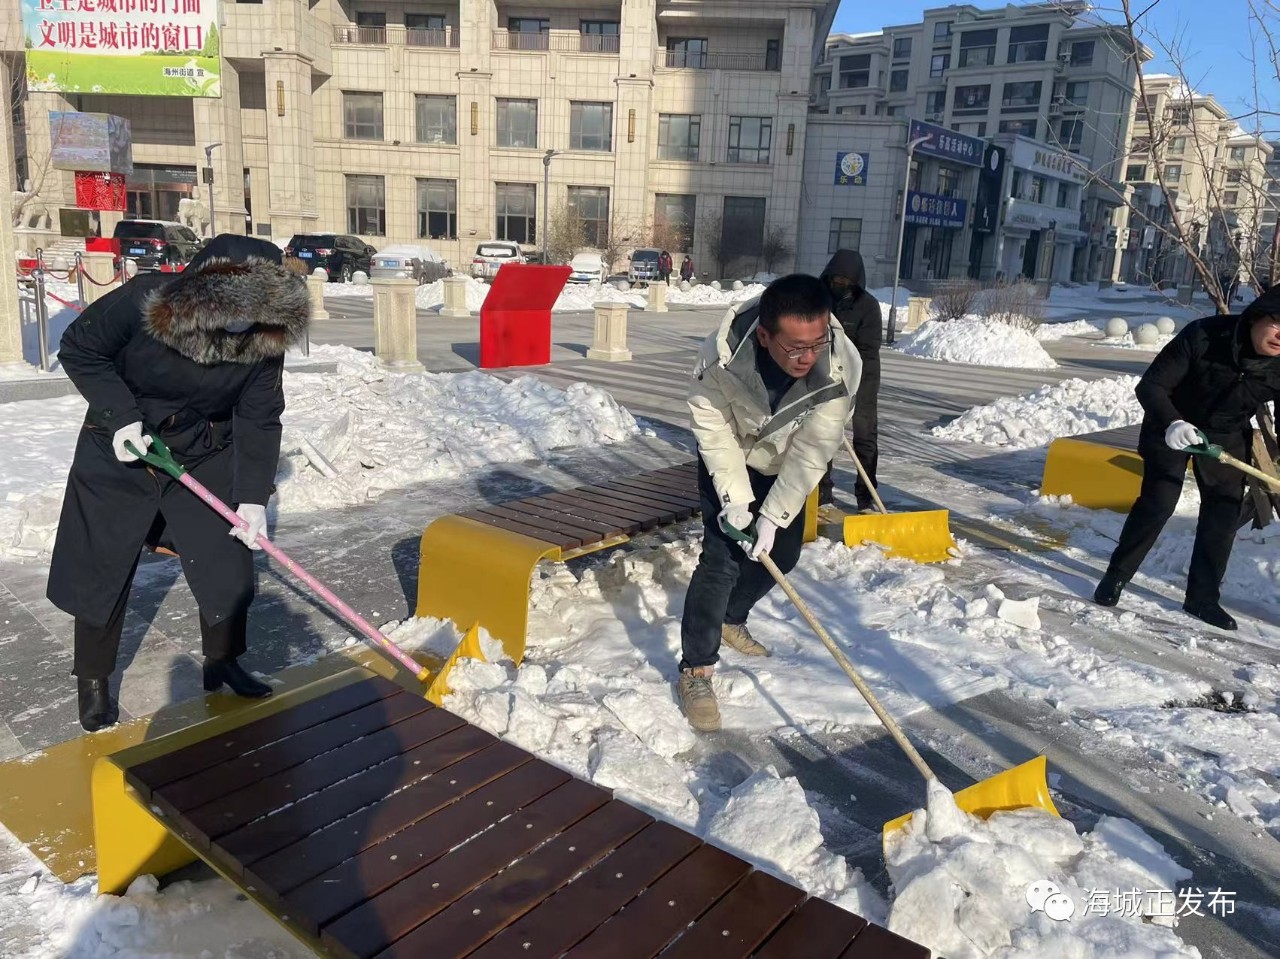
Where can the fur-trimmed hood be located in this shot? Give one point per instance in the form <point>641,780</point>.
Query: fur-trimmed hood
<point>191,313</point>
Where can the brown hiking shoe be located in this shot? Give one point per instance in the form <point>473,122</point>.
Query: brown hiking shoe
<point>698,699</point>
<point>739,637</point>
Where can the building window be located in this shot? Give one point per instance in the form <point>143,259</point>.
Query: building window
<point>590,204</point>
<point>517,206</point>
<point>1177,146</point>
<point>1237,154</point>
<point>687,52</point>
<point>824,85</point>
<point>1020,96</point>
<point>1038,184</point>
<point>1231,198</point>
<point>1028,44</point>
<point>437,118</point>
<point>1022,128</point>
<point>518,124</point>
<point>976,98</point>
<point>674,215</point>
<point>1076,94</point>
<point>1180,116</point>
<point>939,63</point>
<point>528,33</point>
<point>1173,173</point>
<point>858,111</point>
<point>742,225</point>
<point>750,139</point>
<point>948,181</point>
<point>598,36</point>
<point>1235,176</point>
<point>1082,53</point>
<point>971,129</point>
<point>902,48</point>
<point>773,55</point>
<point>977,48</point>
<point>846,234</point>
<point>424,21</point>
<point>1070,134</point>
<point>371,27</point>
<point>942,32</point>
<point>591,126</point>
<point>935,101</point>
<point>366,206</point>
<point>678,136</point>
<point>855,72</point>
<point>1064,195</point>
<point>438,209</point>
<point>898,81</point>
<point>362,116</point>
<point>1135,172</point>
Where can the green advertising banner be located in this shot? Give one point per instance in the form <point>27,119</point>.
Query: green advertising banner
<point>167,48</point>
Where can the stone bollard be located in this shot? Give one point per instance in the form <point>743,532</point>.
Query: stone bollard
<point>657,298</point>
<point>455,297</point>
<point>1116,327</point>
<point>1146,335</point>
<point>395,324</point>
<point>100,276</point>
<point>316,283</point>
<point>1166,325</point>
<point>611,333</point>
<point>918,308</point>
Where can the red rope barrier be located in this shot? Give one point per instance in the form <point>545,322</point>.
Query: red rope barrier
<point>85,274</point>
<point>57,299</point>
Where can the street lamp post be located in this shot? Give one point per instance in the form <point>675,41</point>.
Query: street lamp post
<point>208,162</point>
<point>546,194</point>
<point>902,231</point>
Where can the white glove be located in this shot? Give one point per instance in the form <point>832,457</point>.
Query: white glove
<point>256,517</point>
<point>766,530</point>
<point>132,433</point>
<point>1180,435</point>
<point>737,515</point>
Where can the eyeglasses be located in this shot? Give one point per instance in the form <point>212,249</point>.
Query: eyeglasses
<point>795,352</point>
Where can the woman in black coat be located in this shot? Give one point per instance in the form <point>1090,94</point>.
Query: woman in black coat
<point>198,359</point>
<point>1213,376</point>
<point>859,315</point>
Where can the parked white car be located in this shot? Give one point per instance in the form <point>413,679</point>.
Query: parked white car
<point>587,268</point>
<point>409,261</point>
<point>491,255</point>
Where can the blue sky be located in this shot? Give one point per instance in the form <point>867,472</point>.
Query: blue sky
<point>1214,33</point>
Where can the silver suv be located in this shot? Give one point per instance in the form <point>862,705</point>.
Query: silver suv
<point>491,255</point>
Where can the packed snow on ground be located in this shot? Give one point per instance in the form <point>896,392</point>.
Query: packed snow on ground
<point>978,341</point>
<point>348,436</point>
<point>1051,332</point>
<point>1034,419</point>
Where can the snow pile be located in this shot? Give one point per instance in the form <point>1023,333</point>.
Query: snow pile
<point>1020,884</point>
<point>1052,332</point>
<point>431,296</point>
<point>979,341</point>
<point>705,295</point>
<point>1067,409</point>
<point>1127,342</point>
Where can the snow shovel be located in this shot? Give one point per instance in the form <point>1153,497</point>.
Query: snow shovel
<point>921,535</point>
<point>160,456</point>
<point>1214,451</point>
<point>1017,788</point>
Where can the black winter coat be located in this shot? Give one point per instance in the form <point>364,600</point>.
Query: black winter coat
<point>858,311</point>
<point>158,351</point>
<point>1210,376</point>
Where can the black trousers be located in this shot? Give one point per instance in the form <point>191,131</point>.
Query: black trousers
<point>866,433</point>
<point>727,583</point>
<point>1221,493</point>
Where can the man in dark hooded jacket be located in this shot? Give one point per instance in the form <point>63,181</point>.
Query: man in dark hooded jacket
<point>1212,378</point>
<point>859,314</point>
<point>198,359</point>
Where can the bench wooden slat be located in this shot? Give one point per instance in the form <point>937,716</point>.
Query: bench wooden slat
<point>476,917</point>
<point>262,763</point>
<point>669,500</point>
<point>645,927</point>
<point>739,922</point>
<point>549,511</point>
<point>817,930</point>
<point>660,513</point>
<point>562,540</point>
<point>217,749</point>
<point>441,826</point>
<point>381,922</point>
<point>681,485</point>
<point>876,942</point>
<point>574,912</point>
<point>228,813</point>
<point>646,488</point>
<point>578,508</point>
<point>644,517</point>
<point>584,534</point>
<point>674,508</point>
<point>269,835</point>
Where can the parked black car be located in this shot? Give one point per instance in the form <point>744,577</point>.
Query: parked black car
<point>156,243</point>
<point>338,254</point>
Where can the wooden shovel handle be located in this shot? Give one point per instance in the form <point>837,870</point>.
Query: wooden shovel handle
<point>866,480</point>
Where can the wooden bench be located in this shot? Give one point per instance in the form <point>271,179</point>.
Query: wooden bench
<point>371,823</point>
<point>1099,470</point>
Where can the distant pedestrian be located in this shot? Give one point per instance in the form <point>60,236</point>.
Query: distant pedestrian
<point>686,269</point>
<point>664,266</point>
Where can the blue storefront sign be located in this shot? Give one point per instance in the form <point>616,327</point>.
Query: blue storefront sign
<point>946,144</point>
<point>928,209</point>
<point>851,169</point>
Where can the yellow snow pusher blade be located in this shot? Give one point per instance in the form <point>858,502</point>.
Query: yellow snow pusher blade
<point>1017,788</point>
<point>923,536</point>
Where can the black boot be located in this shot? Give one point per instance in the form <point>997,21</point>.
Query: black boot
<point>217,672</point>
<point>1211,613</point>
<point>97,709</point>
<point>1109,590</point>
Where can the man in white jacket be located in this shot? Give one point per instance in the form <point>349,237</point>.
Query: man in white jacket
<point>770,397</point>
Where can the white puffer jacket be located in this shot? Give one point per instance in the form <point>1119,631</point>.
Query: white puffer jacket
<point>735,429</point>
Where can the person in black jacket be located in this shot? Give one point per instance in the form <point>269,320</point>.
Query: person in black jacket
<point>1212,377</point>
<point>859,314</point>
<point>198,359</point>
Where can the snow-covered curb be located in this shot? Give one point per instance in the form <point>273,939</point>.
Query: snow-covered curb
<point>977,341</point>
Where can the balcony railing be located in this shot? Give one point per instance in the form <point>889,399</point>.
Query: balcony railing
<point>561,41</point>
<point>395,35</point>
<point>682,60</point>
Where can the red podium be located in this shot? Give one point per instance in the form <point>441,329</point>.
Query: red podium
<point>515,321</point>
